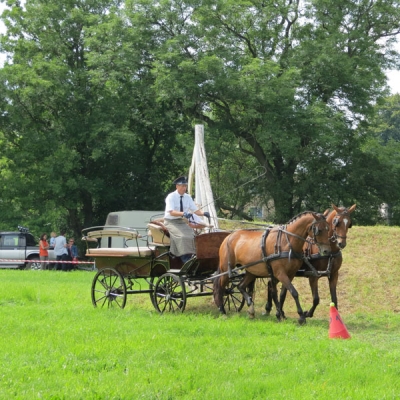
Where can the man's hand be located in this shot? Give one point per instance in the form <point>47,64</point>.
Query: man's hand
<point>187,215</point>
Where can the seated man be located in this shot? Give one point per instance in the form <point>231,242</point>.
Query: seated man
<point>179,205</point>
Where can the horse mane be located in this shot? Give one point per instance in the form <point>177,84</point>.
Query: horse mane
<point>299,215</point>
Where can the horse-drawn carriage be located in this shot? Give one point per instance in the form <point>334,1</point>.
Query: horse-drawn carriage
<point>225,264</point>
<point>144,265</point>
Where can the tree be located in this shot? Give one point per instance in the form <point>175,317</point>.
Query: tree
<point>99,98</point>
<point>383,146</point>
<point>78,143</point>
<point>288,80</point>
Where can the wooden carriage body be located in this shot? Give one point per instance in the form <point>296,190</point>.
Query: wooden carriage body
<point>149,267</point>
<point>134,259</point>
<point>153,259</point>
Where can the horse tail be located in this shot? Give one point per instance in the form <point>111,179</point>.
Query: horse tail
<point>217,289</point>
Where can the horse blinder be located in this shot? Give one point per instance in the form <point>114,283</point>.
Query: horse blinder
<point>316,230</point>
<point>336,220</point>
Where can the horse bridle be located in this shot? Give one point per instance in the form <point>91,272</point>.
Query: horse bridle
<point>315,230</point>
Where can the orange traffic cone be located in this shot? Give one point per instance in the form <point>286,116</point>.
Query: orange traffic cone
<point>337,329</point>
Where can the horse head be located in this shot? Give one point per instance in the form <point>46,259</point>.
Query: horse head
<point>340,222</point>
<point>318,232</point>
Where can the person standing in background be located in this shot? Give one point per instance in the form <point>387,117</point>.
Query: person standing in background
<point>61,252</point>
<point>43,251</point>
<point>52,238</point>
<point>72,252</point>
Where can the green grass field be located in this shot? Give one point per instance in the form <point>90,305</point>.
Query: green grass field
<point>55,345</point>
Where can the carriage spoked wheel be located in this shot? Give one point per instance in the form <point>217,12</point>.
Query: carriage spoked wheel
<point>109,289</point>
<point>169,294</point>
<point>233,298</point>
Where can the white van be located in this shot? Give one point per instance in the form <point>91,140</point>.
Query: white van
<point>136,219</point>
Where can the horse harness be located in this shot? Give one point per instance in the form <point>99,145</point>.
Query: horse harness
<point>292,254</point>
<point>278,254</point>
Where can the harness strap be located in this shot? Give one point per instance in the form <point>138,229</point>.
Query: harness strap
<point>293,234</point>
<point>278,253</point>
<point>309,265</point>
<point>318,257</point>
<point>284,254</point>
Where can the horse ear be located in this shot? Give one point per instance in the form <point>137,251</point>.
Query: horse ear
<point>335,208</point>
<point>352,208</point>
<point>326,212</point>
<point>317,216</point>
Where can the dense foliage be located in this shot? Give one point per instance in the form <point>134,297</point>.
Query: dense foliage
<point>99,99</point>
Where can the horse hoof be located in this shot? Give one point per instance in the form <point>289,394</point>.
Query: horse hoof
<point>302,321</point>
<point>267,313</point>
<point>251,315</point>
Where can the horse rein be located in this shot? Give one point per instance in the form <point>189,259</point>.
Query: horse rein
<point>311,241</point>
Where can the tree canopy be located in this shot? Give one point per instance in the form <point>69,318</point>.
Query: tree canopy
<point>99,99</point>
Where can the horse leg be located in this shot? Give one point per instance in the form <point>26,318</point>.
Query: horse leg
<point>313,281</point>
<point>286,282</point>
<point>268,306</point>
<point>218,292</point>
<point>250,311</point>
<point>246,287</point>
<point>282,298</point>
<point>332,288</point>
<point>250,291</point>
<point>273,292</point>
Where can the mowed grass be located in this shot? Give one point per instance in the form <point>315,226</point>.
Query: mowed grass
<point>55,345</point>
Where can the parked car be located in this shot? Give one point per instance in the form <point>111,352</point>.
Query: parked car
<point>20,250</point>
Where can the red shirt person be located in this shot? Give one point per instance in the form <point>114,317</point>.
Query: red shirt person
<point>43,251</point>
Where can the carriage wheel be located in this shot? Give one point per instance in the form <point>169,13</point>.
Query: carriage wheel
<point>233,298</point>
<point>108,289</point>
<point>169,294</point>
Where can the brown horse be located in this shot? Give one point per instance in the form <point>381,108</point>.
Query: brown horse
<point>275,253</point>
<point>339,222</point>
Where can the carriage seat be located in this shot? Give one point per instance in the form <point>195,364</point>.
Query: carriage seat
<point>120,252</point>
<point>159,233</point>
